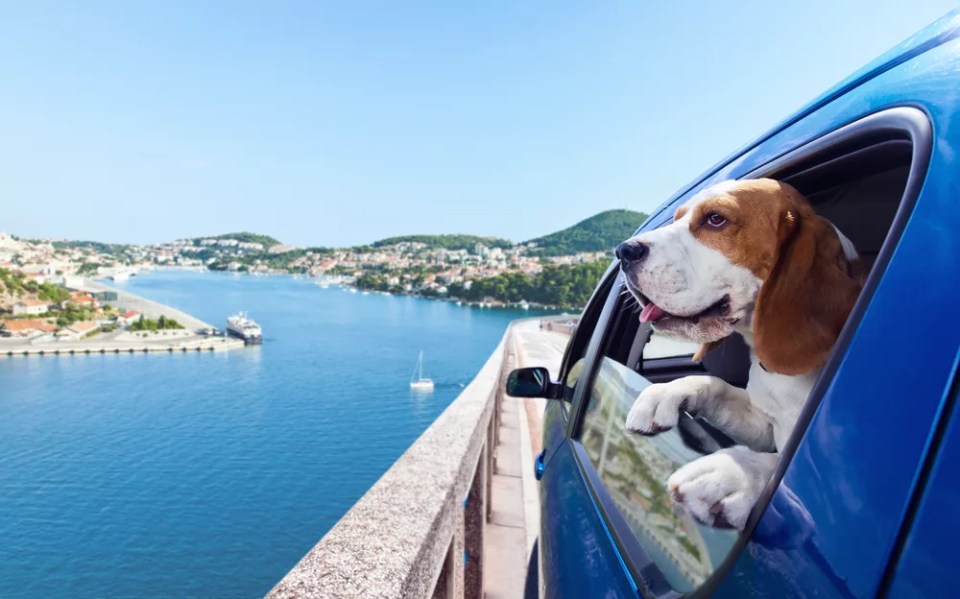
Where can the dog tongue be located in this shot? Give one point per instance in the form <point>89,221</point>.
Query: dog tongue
<point>650,313</point>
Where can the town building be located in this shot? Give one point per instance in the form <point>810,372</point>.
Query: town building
<point>83,300</point>
<point>128,318</point>
<point>26,328</point>
<point>30,307</point>
<point>78,330</point>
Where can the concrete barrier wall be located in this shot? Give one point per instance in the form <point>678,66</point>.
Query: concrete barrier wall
<point>418,532</point>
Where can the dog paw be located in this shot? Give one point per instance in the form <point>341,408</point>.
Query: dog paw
<point>658,408</point>
<point>721,489</point>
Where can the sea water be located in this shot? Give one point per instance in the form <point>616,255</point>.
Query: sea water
<point>212,474</point>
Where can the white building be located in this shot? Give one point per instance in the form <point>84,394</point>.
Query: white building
<point>128,318</point>
<point>31,307</point>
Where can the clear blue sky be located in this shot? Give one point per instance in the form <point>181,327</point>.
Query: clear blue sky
<point>345,123</point>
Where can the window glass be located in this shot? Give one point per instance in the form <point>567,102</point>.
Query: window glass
<point>661,346</point>
<point>570,383</point>
<point>634,468</point>
<point>574,358</point>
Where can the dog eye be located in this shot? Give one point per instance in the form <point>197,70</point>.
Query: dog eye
<point>715,220</point>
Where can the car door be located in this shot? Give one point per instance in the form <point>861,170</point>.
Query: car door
<point>609,528</point>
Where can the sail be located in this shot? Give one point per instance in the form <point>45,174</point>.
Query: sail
<point>417,381</point>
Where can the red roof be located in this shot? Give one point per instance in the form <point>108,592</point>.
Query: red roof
<point>30,302</point>
<point>130,314</point>
<point>83,326</point>
<point>20,326</point>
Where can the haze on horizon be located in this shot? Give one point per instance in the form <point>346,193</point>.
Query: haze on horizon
<point>337,125</point>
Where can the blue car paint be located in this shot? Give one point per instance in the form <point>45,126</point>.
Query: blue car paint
<point>575,538</point>
<point>925,568</point>
<point>832,529</point>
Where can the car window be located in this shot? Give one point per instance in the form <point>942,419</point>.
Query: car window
<point>845,176</point>
<point>634,468</point>
<point>661,346</point>
<point>586,324</point>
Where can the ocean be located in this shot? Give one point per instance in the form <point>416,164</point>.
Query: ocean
<point>212,474</point>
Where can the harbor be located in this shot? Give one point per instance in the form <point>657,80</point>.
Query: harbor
<point>194,336</point>
<point>57,348</point>
<point>161,471</point>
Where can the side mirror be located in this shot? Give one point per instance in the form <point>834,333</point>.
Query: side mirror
<point>529,382</point>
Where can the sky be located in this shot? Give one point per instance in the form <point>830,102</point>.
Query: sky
<point>345,122</point>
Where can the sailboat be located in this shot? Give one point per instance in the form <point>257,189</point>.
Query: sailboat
<point>417,382</point>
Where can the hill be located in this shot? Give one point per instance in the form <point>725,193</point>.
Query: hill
<point>14,287</point>
<point>447,242</point>
<point>245,237</point>
<point>599,232</point>
<point>110,249</point>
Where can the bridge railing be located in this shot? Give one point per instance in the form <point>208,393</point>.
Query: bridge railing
<point>418,532</point>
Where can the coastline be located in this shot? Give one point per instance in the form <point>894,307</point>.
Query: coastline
<point>494,304</point>
<point>148,308</point>
<point>122,341</point>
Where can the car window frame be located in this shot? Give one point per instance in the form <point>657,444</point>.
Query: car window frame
<point>907,120</point>
<point>583,335</point>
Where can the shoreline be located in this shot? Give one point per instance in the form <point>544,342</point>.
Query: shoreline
<point>128,342</point>
<point>148,308</point>
<point>496,304</point>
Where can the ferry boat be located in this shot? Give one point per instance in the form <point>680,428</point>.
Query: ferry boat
<point>242,327</point>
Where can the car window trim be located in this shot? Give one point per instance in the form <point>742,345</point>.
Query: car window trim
<point>909,120</point>
<point>593,353</point>
<point>647,576</point>
<point>607,282</point>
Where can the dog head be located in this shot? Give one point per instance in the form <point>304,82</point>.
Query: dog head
<point>748,256</point>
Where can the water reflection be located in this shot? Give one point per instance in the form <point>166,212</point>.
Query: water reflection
<point>635,468</point>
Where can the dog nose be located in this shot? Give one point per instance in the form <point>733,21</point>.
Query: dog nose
<point>632,251</point>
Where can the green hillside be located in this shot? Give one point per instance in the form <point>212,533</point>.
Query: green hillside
<point>599,232</point>
<point>113,249</point>
<point>245,237</point>
<point>448,242</point>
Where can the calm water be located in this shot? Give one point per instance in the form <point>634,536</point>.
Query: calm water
<point>212,474</point>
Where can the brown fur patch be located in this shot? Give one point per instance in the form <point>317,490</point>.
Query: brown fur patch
<point>759,216</point>
<point>809,287</point>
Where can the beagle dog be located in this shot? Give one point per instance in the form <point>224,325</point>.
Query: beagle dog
<point>750,257</point>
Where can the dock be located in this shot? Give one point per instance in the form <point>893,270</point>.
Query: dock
<point>184,340</point>
<point>63,348</point>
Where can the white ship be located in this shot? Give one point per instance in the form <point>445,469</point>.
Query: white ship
<point>417,382</point>
<point>244,328</point>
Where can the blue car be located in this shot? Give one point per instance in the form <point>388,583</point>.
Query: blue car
<point>866,498</point>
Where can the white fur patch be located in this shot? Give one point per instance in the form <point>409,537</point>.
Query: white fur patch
<point>720,489</point>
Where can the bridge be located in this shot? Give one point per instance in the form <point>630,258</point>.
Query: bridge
<point>457,514</point>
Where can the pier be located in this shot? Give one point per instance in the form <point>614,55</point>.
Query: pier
<point>120,342</point>
<point>457,514</point>
<point>9,347</point>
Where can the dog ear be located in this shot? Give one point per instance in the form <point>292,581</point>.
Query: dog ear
<point>805,301</point>
<point>707,347</point>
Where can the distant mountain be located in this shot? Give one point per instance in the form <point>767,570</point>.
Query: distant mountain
<point>246,237</point>
<point>599,232</point>
<point>449,242</point>
<point>114,249</point>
